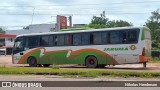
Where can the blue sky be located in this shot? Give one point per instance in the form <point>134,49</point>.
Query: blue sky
<point>137,11</point>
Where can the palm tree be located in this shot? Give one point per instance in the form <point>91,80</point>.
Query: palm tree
<point>155,15</point>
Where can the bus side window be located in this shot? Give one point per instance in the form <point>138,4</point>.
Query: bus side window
<point>85,38</point>
<point>51,40</point>
<point>44,41</point>
<point>68,39</point>
<point>32,41</point>
<point>124,37</point>
<point>132,36</point>
<point>118,37</point>
<point>76,39</point>
<point>97,38</point>
<point>60,40</point>
<point>104,36</point>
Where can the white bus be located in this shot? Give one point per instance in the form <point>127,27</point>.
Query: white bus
<point>93,48</point>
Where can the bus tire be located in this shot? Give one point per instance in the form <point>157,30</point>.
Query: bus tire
<point>46,65</point>
<point>32,62</point>
<point>91,62</point>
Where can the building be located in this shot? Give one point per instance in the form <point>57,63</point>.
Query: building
<point>11,34</point>
<point>36,28</point>
<point>9,41</point>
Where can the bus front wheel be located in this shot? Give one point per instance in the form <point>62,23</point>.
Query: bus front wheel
<point>91,62</point>
<point>32,62</point>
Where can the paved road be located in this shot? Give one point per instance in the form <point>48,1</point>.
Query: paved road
<point>59,78</point>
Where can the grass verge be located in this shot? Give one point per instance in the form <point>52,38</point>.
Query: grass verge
<point>155,60</point>
<point>76,72</point>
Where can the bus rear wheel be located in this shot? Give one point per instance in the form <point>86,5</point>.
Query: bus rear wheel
<point>91,62</point>
<point>32,62</point>
<point>46,65</point>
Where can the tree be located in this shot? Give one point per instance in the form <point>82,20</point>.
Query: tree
<point>2,30</point>
<point>2,40</point>
<point>153,23</point>
<point>118,23</point>
<point>99,22</point>
<point>103,22</point>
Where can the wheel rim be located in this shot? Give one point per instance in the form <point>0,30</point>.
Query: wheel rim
<point>91,61</point>
<point>32,61</point>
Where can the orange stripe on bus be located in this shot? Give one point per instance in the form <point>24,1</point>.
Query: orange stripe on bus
<point>24,57</point>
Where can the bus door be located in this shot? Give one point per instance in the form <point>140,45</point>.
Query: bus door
<point>132,55</point>
<point>18,49</point>
<point>118,40</point>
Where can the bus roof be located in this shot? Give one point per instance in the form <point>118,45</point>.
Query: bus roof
<point>77,31</point>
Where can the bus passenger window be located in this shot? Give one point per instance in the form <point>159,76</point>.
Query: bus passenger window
<point>44,41</point>
<point>32,41</point>
<point>85,38</point>
<point>117,37</point>
<point>132,36</point>
<point>51,40</point>
<point>60,40</point>
<point>124,37</point>
<point>76,39</point>
<point>104,38</point>
<point>68,40</point>
<point>97,38</point>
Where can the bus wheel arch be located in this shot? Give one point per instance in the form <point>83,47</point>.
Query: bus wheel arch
<point>32,61</point>
<point>91,61</point>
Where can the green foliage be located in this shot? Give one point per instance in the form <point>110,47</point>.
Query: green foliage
<point>96,26</point>
<point>153,23</point>
<point>103,22</point>
<point>118,23</point>
<point>2,30</point>
<point>155,60</point>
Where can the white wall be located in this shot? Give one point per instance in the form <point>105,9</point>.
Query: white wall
<point>9,42</point>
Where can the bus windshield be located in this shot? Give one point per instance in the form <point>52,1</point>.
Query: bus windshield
<point>19,44</point>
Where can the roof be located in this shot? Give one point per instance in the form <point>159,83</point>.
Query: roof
<point>78,31</point>
<point>7,36</point>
